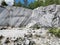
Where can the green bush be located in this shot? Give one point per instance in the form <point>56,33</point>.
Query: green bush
<point>55,31</point>
<point>3,3</point>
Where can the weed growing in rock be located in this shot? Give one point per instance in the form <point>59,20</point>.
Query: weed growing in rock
<point>55,31</point>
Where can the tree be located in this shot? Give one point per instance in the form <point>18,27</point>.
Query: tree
<point>17,4</point>
<point>52,2</point>
<point>3,3</point>
<point>57,1</point>
<point>25,2</point>
<point>36,4</point>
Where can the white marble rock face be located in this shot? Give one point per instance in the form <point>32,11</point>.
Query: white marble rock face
<point>46,16</point>
<point>14,16</point>
<point>18,16</point>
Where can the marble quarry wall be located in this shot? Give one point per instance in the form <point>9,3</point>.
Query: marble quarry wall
<point>48,16</point>
<point>14,16</point>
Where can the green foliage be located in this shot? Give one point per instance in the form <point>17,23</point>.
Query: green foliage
<point>57,1</point>
<point>39,3</point>
<point>35,4</point>
<point>3,3</point>
<point>19,4</point>
<point>55,31</point>
<point>49,2</point>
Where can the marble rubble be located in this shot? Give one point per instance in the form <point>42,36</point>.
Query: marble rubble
<point>27,37</point>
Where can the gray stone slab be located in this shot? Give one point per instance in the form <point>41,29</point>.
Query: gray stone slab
<point>13,21</point>
<point>1,9</point>
<point>20,22</point>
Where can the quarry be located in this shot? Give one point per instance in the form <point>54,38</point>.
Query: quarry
<point>22,26</point>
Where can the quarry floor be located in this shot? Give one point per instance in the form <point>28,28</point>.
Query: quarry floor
<point>39,36</point>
